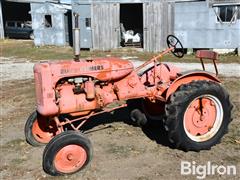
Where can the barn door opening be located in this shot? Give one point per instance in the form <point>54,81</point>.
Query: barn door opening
<point>131,24</point>
<point>16,19</point>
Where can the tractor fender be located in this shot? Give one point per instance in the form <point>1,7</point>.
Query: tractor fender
<point>188,77</point>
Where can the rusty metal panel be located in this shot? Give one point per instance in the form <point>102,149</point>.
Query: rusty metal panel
<point>105,25</point>
<point>158,22</point>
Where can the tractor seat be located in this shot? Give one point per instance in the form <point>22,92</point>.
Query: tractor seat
<point>207,54</point>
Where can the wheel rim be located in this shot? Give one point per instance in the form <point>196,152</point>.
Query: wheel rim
<point>70,159</point>
<point>203,118</point>
<point>44,132</point>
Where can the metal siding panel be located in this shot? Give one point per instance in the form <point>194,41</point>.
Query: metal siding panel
<point>48,36</point>
<point>84,11</point>
<point>196,26</point>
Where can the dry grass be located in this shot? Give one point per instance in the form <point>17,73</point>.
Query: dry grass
<point>26,49</point>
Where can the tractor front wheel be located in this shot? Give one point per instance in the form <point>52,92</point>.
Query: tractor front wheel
<point>197,115</point>
<point>67,153</point>
<point>39,130</point>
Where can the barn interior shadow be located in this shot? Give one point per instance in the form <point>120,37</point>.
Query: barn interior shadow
<point>154,130</point>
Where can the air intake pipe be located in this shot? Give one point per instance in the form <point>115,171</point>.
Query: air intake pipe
<point>76,31</point>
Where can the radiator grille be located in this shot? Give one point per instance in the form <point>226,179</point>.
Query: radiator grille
<point>38,88</point>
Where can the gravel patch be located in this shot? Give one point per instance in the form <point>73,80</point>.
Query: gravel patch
<point>12,70</point>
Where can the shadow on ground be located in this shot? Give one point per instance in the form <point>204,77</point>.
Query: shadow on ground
<point>154,130</point>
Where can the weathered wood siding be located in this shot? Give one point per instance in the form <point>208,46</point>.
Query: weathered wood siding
<point>158,20</point>
<point>105,26</point>
<point>1,22</point>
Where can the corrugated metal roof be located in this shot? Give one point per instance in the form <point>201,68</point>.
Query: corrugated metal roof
<point>65,1</point>
<point>223,1</point>
<point>51,7</point>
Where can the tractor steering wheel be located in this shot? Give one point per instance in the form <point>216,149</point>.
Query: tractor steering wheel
<point>173,41</point>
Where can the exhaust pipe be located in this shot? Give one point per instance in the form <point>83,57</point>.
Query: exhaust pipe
<point>76,44</point>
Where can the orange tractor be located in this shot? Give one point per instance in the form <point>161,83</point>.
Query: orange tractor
<point>193,106</point>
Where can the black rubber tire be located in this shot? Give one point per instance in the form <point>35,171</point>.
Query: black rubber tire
<point>28,130</point>
<point>138,117</point>
<point>60,141</point>
<point>177,105</point>
<point>136,113</point>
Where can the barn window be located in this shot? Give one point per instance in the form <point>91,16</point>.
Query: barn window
<point>227,14</point>
<point>48,21</point>
<point>88,22</point>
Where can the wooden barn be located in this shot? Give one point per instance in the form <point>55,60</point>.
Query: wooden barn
<point>103,22</point>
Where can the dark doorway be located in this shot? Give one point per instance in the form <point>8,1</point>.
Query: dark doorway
<point>68,27</point>
<point>13,11</point>
<point>17,20</point>
<point>131,19</point>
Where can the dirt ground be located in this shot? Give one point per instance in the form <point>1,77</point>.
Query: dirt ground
<point>121,151</point>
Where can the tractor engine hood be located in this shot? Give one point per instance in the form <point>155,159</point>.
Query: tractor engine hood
<point>103,69</point>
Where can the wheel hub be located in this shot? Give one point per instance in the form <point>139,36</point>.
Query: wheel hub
<point>70,158</point>
<point>202,118</point>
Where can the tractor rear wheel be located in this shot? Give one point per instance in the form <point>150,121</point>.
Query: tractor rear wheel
<point>39,130</point>
<point>67,153</point>
<point>197,115</point>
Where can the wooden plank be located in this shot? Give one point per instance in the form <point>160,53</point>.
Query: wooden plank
<point>1,22</point>
<point>159,27</point>
<point>105,17</point>
<point>158,24</point>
